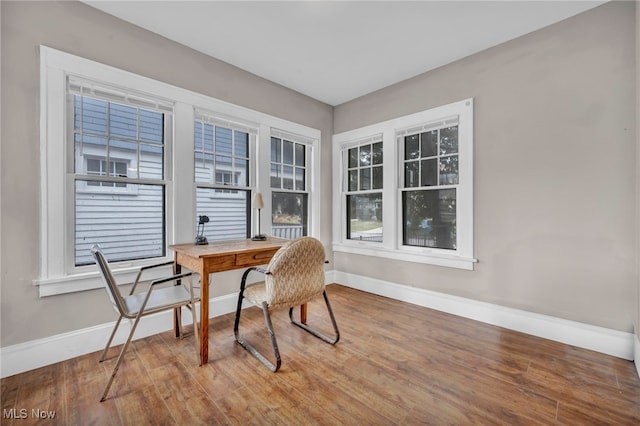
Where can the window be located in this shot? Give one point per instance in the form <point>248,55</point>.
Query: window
<point>98,167</point>
<point>363,182</point>
<point>221,162</point>
<point>227,179</point>
<point>429,194</point>
<point>112,174</point>
<point>132,225</point>
<point>288,177</point>
<point>419,205</point>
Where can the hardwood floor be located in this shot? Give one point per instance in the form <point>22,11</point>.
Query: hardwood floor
<point>395,363</point>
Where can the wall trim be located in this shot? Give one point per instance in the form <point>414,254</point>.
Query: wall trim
<point>611,342</point>
<point>27,356</point>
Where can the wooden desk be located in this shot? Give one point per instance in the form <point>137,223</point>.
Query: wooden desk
<point>217,257</point>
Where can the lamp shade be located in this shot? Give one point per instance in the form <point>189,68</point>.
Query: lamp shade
<point>257,201</point>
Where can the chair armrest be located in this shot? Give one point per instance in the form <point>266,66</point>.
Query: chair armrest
<point>144,268</point>
<point>171,278</point>
<point>249,270</point>
<point>160,281</point>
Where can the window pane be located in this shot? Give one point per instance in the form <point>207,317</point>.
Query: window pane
<point>223,140</point>
<point>276,176</point>
<point>429,218</point>
<point>429,172</point>
<point>152,126</point>
<point>449,170</point>
<point>353,158</point>
<point>204,168</point>
<point>228,213</point>
<point>449,140</point>
<point>353,180</point>
<point>377,153</point>
<point>151,162</point>
<point>411,174</point>
<point>198,136</point>
<point>300,155</point>
<point>241,144</point>
<point>429,144</point>
<point>119,168</point>
<point>287,177</point>
<point>87,145</point>
<point>365,179</point>
<point>411,147</point>
<point>223,164</point>
<point>123,121</point>
<point>126,228</point>
<point>241,173</point>
<point>300,184</point>
<point>276,150</point>
<point>287,152</point>
<point>95,167</point>
<point>377,177</point>
<point>364,217</point>
<point>208,138</point>
<point>365,155</point>
<point>289,217</point>
<point>94,115</point>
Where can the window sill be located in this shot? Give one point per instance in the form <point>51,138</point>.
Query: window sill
<point>92,280</point>
<point>373,249</point>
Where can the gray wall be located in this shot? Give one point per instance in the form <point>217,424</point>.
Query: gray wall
<point>81,30</point>
<point>554,169</point>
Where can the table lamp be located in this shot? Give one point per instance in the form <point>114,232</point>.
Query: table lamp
<point>258,204</point>
<point>201,240</point>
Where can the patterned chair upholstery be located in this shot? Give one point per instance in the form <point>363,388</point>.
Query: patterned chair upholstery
<point>294,276</point>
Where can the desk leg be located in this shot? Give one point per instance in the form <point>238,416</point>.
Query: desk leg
<point>204,317</point>
<point>303,313</point>
<point>177,317</point>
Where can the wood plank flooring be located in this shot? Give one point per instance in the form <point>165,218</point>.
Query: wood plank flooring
<point>395,364</point>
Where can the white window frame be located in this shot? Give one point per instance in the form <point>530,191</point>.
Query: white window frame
<point>56,276</point>
<point>344,163</point>
<point>232,191</point>
<point>392,248</point>
<point>311,187</point>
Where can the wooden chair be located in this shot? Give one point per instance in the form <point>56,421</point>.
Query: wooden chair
<point>294,276</point>
<point>137,305</point>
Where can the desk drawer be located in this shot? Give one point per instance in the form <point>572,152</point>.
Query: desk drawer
<point>255,258</point>
<point>220,263</point>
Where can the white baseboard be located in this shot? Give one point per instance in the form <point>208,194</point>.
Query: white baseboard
<point>49,350</point>
<point>600,339</point>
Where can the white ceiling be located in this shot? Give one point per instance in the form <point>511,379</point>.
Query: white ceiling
<point>335,51</point>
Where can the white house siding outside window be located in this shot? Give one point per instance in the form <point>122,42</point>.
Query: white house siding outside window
<point>130,163</point>
<point>223,193</point>
<point>289,188</point>
<point>423,197</point>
